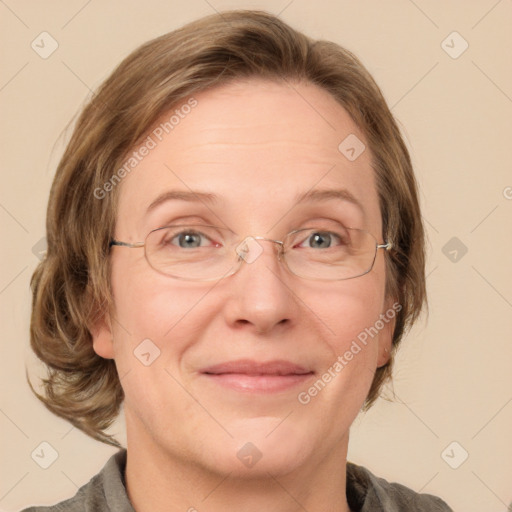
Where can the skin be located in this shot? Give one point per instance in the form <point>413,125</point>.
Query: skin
<point>256,144</point>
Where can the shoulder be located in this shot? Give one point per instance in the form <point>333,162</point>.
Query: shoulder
<point>366,492</point>
<point>105,492</point>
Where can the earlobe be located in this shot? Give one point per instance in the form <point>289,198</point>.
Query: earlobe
<point>102,339</point>
<point>384,356</point>
<point>386,337</point>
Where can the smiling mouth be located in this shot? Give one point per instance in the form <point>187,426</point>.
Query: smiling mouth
<point>259,377</point>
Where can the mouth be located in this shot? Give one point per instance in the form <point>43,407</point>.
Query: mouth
<point>258,377</point>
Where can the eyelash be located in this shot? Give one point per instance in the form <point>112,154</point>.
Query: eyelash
<point>190,233</point>
<point>323,232</point>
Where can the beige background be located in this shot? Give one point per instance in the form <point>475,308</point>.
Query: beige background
<point>453,380</point>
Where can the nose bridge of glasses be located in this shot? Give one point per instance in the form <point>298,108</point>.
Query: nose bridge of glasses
<point>249,249</point>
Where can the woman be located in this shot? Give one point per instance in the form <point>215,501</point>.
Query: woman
<point>235,251</point>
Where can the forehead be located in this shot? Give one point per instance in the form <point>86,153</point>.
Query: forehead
<point>255,147</point>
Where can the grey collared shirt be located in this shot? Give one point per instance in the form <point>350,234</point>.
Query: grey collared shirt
<point>106,492</point>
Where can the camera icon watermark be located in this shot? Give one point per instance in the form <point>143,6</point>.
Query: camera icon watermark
<point>249,455</point>
<point>454,455</point>
<point>249,249</point>
<point>454,45</point>
<point>39,248</point>
<point>351,147</point>
<point>454,249</point>
<point>44,45</point>
<point>44,455</point>
<point>147,352</point>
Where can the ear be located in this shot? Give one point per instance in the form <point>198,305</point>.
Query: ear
<point>391,309</point>
<point>102,339</point>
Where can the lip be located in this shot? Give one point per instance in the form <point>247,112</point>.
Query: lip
<point>252,376</point>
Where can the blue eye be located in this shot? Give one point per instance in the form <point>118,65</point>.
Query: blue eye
<point>322,239</point>
<point>188,239</point>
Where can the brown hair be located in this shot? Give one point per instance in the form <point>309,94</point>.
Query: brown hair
<point>71,286</point>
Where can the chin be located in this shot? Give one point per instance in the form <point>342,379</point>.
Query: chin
<point>261,446</point>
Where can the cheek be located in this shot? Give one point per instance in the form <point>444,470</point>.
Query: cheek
<point>350,309</point>
<point>149,306</point>
<point>155,322</point>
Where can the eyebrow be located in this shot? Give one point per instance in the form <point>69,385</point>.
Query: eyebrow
<point>329,194</point>
<point>183,195</point>
<point>317,195</point>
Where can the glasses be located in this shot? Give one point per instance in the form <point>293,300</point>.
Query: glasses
<point>208,253</point>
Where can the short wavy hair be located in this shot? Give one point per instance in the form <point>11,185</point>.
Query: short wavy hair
<point>71,286</point>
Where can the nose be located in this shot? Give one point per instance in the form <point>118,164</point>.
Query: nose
<point>260,298</point>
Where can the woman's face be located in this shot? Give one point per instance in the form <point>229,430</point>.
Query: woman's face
<point>255,147</point>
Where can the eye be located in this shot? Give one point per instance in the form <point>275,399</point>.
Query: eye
<point>187,238</point>
<point>192,239</point>
<point>318,239</point>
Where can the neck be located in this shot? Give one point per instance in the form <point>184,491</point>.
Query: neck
<point>159,481</point>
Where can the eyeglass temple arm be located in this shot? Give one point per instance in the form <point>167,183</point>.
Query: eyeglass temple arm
<point>125,244</point>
